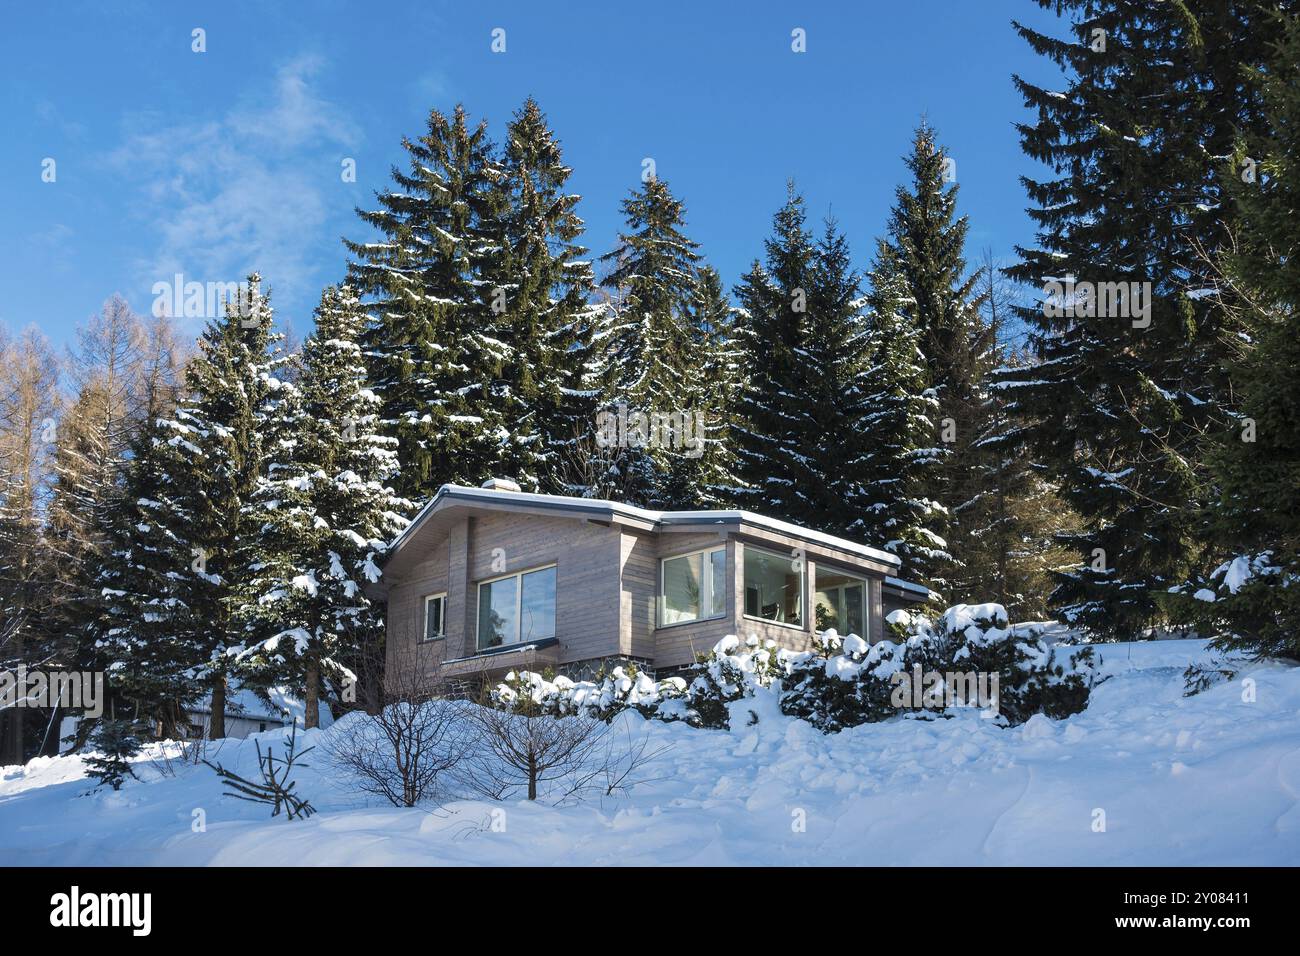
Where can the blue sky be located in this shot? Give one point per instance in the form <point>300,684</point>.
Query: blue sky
<point>215,163</point>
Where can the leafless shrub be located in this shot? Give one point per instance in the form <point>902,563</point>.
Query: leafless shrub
<point>625,760</point>
<point>191,751</point>
<point>403,753</point>
<point>521,750</point>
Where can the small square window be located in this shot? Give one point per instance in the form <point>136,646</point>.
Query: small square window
<point>435,617</point>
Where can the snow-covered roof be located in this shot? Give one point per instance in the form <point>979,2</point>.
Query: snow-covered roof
<point>902,585</point>
<point>601,508</point>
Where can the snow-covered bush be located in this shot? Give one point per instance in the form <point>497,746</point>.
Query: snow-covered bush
<point>1033,676</point>
<point>970,656</point>
<point>843,683</point>
<point>968,652</point>
<point>730,672</point>
<point>603,698</point>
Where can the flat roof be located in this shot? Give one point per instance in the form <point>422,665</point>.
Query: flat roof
<point>597,507</point>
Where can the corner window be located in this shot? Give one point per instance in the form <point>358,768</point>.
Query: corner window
<point>839,601</point>
<point>435,617</point>
<point>774,587</point>
<point>693,587</point>
<point>516,609</point>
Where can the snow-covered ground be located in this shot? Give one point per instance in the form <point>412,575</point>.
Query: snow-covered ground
<point>1210,779</point>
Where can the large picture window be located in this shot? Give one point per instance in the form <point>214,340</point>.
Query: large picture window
<point>774,587</point>
<point>516,609</point>
<point>693,587</point>
<point>840,602</point>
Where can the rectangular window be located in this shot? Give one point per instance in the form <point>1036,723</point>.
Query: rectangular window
<point>517,609</point>
<point>693,587</point>
<point>435,617</point>
<point>774,587</point>
<point>840,602</point>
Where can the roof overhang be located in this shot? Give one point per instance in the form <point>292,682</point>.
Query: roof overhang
<point>455,501</point>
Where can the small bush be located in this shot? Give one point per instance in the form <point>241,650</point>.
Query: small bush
<point>115,743</point>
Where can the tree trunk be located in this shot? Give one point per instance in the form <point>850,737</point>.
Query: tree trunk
<point>217,721</point>
<point>311,704</point>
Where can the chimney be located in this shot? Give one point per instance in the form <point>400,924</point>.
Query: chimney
<point>499,484</point>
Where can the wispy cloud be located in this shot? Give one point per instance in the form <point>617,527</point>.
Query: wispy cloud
<point>241,191</point>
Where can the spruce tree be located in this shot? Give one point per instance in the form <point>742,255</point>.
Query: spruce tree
<point>709,479</point>
<point>433,348</point>
<point>149,635</point>
<point>899,466</point>
<point>324,513</point>
<point>540,289</point>
<point>652,353</point>
<point>1255,459</point>
<point>925,251</point>
<point>1120,404</point>
<point>799,436</point>
<point>772,333</point>
<point>215,462</point>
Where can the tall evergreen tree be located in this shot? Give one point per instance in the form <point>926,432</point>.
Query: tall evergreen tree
<point>772,331</point>
<point>925,251</point>
<point>324,513</point>
<point>651,356</point>
<point>1255,459</point>
<point>541,288</point>
<point>149,633</point>
<point>899,467</point>
<point>215,462</point>
<point>1008,514</point>
<point>433,349</point>
<point>709,480</point>
<point>799,433</point>
<point>1120,404</point>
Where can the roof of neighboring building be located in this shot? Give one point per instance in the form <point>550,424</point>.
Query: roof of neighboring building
<point>600,508</point>
<point>918,592</point>
<point>245,703</point>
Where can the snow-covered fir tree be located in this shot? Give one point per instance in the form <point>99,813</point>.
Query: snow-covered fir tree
<point>901,464</point>
<point>433,349</point>
<point>324,514</point>
<point>798,435</point>
<point>651,357</point>
<point>709,479</point>
<point>540,288</point>
<point>215,463</point>
<point>925,250</point>
<point>1253,568</point>
<point>1133,361</point>
<point>149,637</point>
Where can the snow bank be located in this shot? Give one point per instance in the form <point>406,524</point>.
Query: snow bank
<point>1212,779</point>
